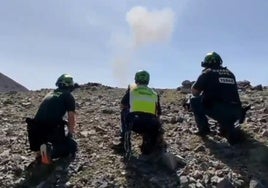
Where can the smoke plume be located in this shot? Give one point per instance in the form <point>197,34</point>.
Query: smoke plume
<point>150,27</point>
<point>147,27</point>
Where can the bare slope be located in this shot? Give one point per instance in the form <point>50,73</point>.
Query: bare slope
<point>7,84</point>
<point>209,160</point>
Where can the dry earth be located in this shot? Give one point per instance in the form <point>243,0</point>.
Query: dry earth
<point>210,162</point>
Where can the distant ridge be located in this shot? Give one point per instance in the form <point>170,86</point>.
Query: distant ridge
<point>7,84</point>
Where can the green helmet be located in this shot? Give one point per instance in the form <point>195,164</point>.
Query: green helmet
<point>142,77</point>
<point>212,59</point>
<point>65,80</point>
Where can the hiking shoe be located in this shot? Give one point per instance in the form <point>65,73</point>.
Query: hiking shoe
<point>45,150</point>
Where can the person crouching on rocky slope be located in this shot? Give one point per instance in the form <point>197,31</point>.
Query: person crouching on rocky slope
<point>215,94</point>
<point>46,131</point>
<point>143,107</point>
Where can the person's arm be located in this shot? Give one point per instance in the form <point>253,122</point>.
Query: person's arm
<point>71,122</point>
<point>71,114</point>
<point>125,100</point>
<point>199,85</point>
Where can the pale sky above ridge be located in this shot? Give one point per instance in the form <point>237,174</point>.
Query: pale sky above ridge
<point>107,41</point>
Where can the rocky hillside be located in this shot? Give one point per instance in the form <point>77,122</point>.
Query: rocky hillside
<point>7,84</point>
<point>210,162</point>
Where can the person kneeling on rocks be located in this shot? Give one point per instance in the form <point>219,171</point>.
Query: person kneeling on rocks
<point>46,131</point>
<point>215,94</point>
<point>143,107</point>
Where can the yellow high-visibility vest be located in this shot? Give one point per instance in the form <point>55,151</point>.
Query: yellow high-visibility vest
<point>142,99</point>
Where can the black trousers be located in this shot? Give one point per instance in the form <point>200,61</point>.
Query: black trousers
<point>64,148</point>
<point>41,133</point>
<point>145,124</point>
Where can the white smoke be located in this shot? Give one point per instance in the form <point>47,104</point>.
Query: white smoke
<point>150,27</point>
<point>121,69</point>
<point>147,27</point>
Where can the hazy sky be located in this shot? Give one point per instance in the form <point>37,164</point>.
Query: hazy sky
<point>107,41</point>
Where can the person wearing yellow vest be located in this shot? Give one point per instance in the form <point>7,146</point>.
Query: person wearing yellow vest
<point>141,107</point>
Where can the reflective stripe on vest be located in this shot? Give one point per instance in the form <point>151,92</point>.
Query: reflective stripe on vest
<point>142,99</point>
